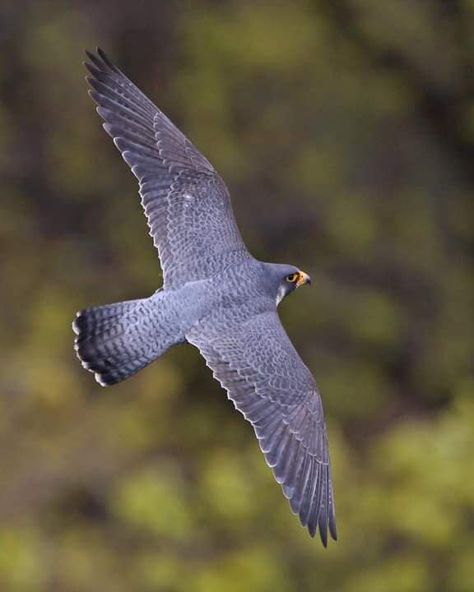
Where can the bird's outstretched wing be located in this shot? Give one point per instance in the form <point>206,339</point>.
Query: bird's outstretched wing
<point>255,361</point>
<point>186,202</point>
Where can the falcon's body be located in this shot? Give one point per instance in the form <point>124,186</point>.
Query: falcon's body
<point>215,296</point>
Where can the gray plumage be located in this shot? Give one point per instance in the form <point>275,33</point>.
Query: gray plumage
<point>215,296</point>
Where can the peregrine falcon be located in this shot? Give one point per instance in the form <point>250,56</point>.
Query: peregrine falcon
<point>215,295</point>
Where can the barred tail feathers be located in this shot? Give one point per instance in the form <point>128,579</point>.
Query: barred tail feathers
<point>115,341</point>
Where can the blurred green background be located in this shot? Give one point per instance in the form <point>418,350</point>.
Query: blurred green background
<point>344,130</point>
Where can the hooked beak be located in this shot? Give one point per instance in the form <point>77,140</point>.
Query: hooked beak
<point>303,279</point>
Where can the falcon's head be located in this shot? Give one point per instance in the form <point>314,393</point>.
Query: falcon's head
<point>286,278</point>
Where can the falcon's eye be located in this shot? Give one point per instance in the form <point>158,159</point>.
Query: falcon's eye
<point>292,278</point>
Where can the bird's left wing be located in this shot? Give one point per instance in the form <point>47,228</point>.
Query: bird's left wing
<point>186,203</point>
<point>255,361</point>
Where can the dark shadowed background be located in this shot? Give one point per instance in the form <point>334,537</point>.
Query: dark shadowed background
<point>344,131</point>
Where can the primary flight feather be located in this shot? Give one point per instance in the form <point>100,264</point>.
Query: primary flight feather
<point>215,295</point>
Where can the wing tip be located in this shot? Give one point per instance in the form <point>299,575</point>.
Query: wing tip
<point>99,60</point>
<point>332,524</point>
<point>104,57</point>
<point>323,535</point>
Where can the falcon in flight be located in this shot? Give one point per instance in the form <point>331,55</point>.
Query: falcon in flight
<point>215,295</point>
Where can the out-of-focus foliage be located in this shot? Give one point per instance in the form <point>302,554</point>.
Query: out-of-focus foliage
<point>344,130</point>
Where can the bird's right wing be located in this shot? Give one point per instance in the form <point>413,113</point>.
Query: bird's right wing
<point>186,202</point>
<point>255,361</point>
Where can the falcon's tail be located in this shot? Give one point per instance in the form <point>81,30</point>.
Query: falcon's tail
<point>117,340</point>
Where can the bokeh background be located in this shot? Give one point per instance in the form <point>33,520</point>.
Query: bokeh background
<point>344,130</point>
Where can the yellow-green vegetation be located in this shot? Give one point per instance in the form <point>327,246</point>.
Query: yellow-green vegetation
<point>344,130</point>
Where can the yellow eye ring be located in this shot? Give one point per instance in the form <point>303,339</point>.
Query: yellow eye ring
<point>292,278</point>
